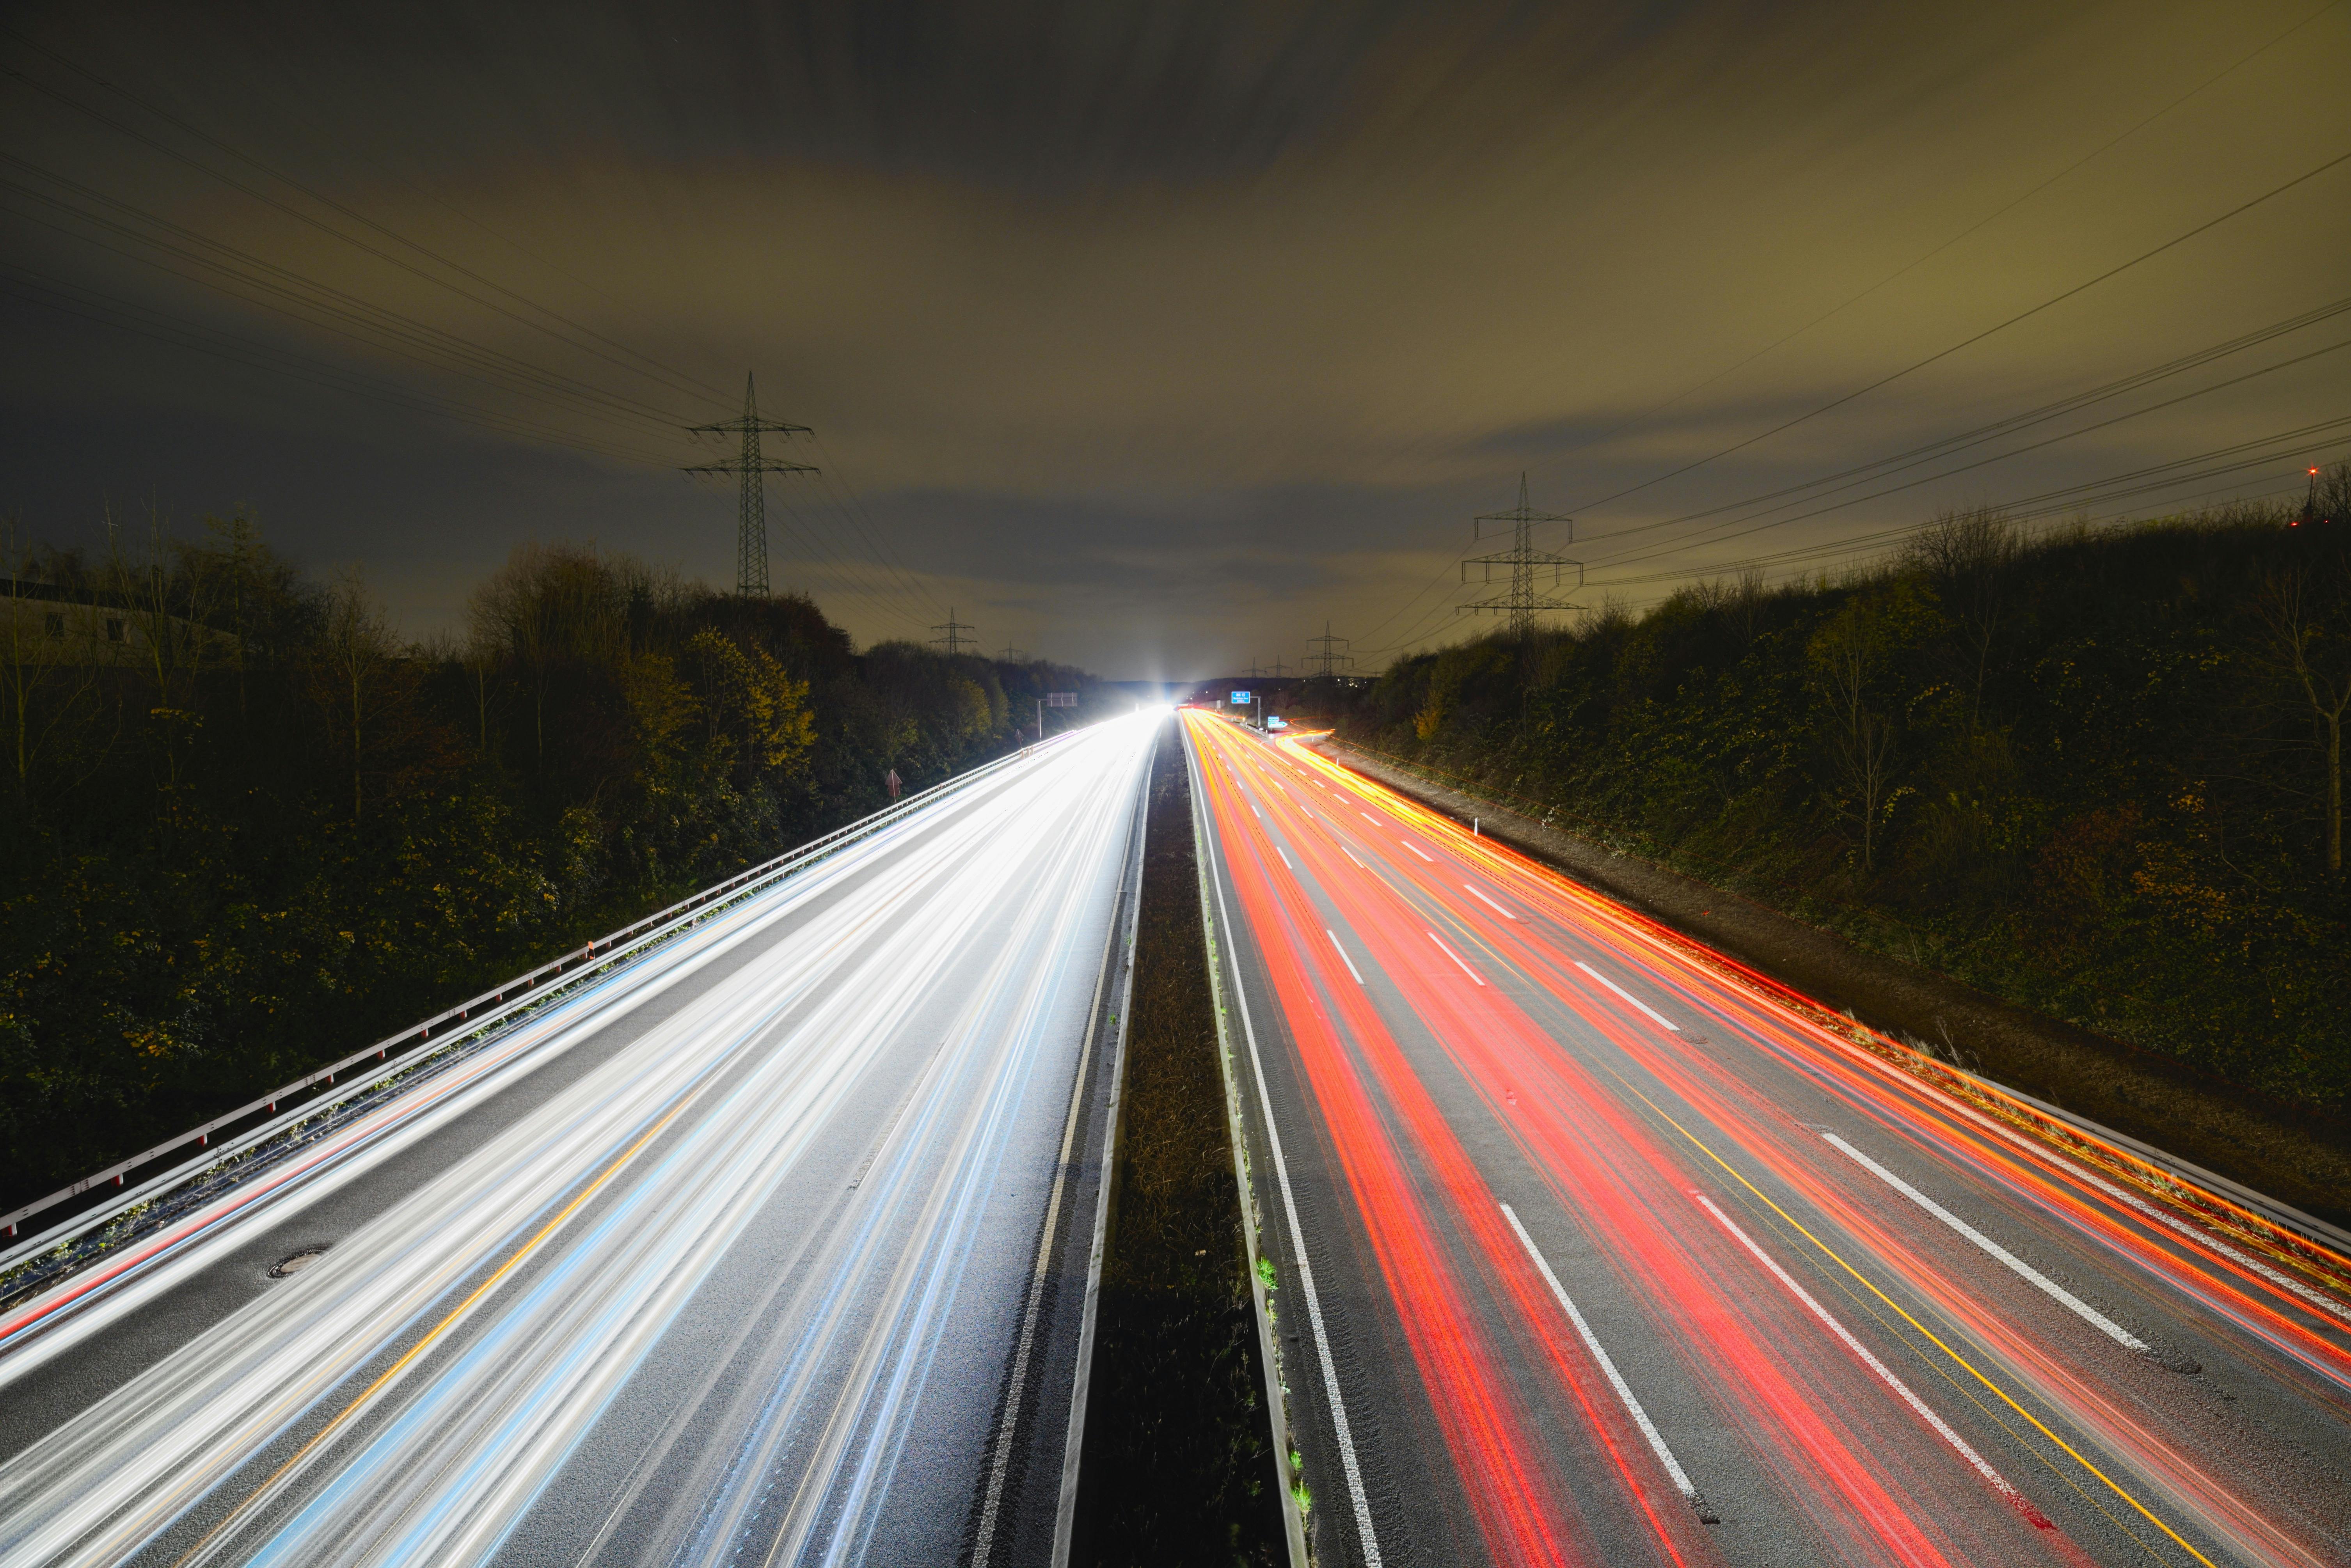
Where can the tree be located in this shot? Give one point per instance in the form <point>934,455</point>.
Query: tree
<point>1967,556</point>
<point>1853,658</point>
<point>2304,612</point>
<point>355,650</point>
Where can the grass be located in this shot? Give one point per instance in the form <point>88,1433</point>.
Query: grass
<point>1178,1464</point>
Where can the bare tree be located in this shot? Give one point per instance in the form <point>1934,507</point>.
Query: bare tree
<point>2306,616</point>
<point>1967,556</point>
<point>49,670</point>
<point>355,648</point>
<point>1852,658</point>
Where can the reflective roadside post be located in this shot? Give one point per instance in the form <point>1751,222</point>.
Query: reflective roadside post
<point>890,782</point>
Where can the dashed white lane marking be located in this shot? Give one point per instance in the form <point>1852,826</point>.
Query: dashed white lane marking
<point>1449,953</point>
<point>1615,1379</point>
<point>1942,1427</point>
<point>1343,956</point>
<point>1369,818</point>
<point>2200,1237</point>
<point>1489,903</point>
<point>1419,850</point>
<point>2018,1266</point>
<point>1285,858</point>
<point>1663,1022</point>
<point>1350,855</point>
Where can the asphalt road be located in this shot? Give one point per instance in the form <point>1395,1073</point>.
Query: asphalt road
<point>1590,1249</point>
<point>770,1246</point>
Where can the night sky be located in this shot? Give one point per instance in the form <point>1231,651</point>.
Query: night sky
<point>1148,337</point>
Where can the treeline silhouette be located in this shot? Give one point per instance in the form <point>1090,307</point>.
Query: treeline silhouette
<point>249,829</point>
<point>2099,773</point>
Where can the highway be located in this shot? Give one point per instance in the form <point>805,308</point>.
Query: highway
<point>1589,1247</point>
<point>769,1246</point>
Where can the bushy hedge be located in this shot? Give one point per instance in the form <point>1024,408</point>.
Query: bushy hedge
<point>248,830</point>
<point>2089,772</point>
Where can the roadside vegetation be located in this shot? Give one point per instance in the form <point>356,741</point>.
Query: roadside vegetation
<point>2099,773</point>
<point>244,828</point>
<point>1178,1464</point>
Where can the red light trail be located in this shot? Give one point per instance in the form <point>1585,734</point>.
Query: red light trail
<point>1627,1253</point>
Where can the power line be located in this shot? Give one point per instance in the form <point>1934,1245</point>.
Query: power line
<point>1988,218</point>
<point>2151,477</point>
<point>2013,423</point>
<point>370,325</point>
<point>2050,303</point>
<point>1820,511</point>
<point>677,381</point>
<point>1690,542</point>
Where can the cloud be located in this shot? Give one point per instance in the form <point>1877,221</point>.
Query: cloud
<point>1225,316</point>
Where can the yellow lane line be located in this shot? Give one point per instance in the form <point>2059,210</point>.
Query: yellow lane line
<point>1865,1283</point>
<point>422,1346</point>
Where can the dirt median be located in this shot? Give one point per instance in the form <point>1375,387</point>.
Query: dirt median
<point>2298,1158</point>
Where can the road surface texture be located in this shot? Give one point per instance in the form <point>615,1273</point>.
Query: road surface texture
<point>770,1246</point>
<point>1589,1247</point>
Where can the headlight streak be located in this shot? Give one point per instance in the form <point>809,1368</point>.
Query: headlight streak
<point>447,1449</point>
<point>1634,1237</point>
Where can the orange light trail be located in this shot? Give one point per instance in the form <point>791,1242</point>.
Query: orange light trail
<point>1467,1027</point>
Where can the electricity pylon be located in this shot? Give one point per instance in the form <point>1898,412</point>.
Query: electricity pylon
<point>751,516</point>
<point>1329,658</point>
<point>1521,603</point>
<point>958,636</point>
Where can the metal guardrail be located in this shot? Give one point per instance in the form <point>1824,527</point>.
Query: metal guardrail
<point>527,989</point>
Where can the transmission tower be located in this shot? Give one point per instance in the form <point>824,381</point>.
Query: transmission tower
<point>1521,603</point>
<point>1011,655</point>
<point>751,518</point>
<point>958,638</point>
<point>1279,670</point>
<point>1327,659</point>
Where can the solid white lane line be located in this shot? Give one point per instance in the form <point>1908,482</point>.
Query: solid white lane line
<point>1343,955</point>
<point>1615,1379</point>
<point>1285,858</point>
<point>1942,1427</point>
<point>1340,1428</point>
<point>1662,1021</point>
<point>2018,1266</point>
<point>1497,908</point>
<point>1449,953</point>
<point>2201,1239</point>
<point>1419,850</point>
